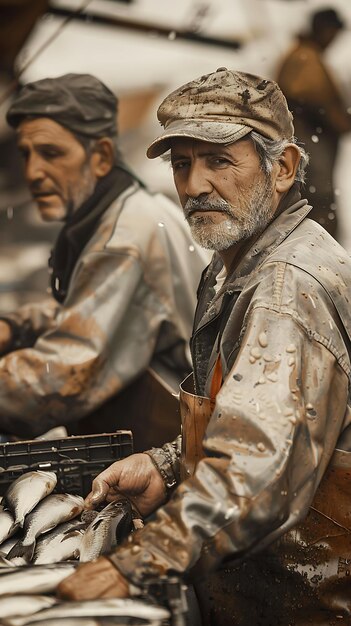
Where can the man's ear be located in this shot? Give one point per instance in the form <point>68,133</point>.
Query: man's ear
<point>288,164</point>
<point>102,158</point>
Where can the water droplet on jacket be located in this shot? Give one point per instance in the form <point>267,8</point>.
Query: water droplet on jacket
<point>261,447</point>
<point>315,138</point>
<point>262,340</point>
<point>291,348</point>
<point>161,225</point>
<point>256,353</point>
<point>272,377</point>
<point>192,248</point>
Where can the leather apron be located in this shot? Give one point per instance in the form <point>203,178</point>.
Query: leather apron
<point>302,579</point>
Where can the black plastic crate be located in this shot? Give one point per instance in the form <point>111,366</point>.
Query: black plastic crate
<point>75,460</point>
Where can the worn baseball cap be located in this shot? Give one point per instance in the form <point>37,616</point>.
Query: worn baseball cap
<point>80,102</point>
<point>223,107</point>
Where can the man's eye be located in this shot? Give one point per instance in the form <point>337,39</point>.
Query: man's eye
<point>50,153</point>
<point>24,154</point>
<point>220,161</point>
<point>178,165</point>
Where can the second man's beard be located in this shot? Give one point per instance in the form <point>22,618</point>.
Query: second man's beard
<point>242,222</point>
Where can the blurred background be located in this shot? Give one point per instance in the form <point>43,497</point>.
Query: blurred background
<point>142,50</point>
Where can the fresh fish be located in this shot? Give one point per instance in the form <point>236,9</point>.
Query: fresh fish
<point>35,579</point>
<point>110,526</point>
<point>24,604</point>
<point>18,561</point>
<point>4,562</point>
<point>7,545</point>
<point>53,510</point>
<point>61,544</point>
<point>26,491</point>
<point>66,621</point>
<point>7,525</point>
<point>108,608</point>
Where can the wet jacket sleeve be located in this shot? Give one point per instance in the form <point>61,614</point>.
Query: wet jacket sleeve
<point>276,422</point>
<point>30,321</point>
<point>167,462</point>
<point>103,336</point>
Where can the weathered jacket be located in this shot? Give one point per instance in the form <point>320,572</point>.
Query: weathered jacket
<point>282,326</point>
<point>130,302</point>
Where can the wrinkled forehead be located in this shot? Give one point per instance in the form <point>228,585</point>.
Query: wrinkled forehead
<point>44,130</point>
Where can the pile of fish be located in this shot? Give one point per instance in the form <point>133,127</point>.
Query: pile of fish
<point>43,536</point>
<point>26,599</point>
<point>41,527</point>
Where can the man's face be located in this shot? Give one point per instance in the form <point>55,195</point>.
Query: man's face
<point>58,171</point>
<point>224,193</point>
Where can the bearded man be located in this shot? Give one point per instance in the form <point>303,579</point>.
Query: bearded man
<point>124,273</point>
<point>254,497</point>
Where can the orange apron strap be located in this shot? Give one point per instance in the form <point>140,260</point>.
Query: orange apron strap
<point>217,380</point>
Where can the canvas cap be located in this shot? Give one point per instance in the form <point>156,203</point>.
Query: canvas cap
<point>223,107</point>
<point>80,102</point>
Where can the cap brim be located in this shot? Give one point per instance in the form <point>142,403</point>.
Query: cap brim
<point>214,132</point>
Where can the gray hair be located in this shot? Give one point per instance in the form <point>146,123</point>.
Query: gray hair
<point>270,151</point>
<point>89,144</point>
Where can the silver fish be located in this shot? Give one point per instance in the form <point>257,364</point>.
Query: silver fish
<point>110,526</point>
<point>109,607</point>
<point>7,545</point>
<point>26,491</point>
<point>53,510</point>
<point>24,604</point>
<point>66,621</point>
<point>7,524</point>
<point>5,563</point>
<point>61,544</point>
<point>35,579</point>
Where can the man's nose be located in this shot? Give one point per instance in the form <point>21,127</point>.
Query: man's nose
<point>34,169</point>
<point>197,182</point>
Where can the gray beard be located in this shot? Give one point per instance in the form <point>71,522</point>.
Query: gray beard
<point>254,217</point>
<point>82,192</point>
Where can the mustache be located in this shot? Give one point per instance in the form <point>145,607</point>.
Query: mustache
<point>193,205</point>
<point>37,189</point>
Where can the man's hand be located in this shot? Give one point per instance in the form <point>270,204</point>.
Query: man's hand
<point>5,336</point>
<point>98,579</point>
<point>135,477</point>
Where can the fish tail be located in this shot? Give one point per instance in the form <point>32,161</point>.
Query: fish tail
<point>21,550</point>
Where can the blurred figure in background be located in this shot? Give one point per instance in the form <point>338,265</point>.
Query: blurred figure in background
<point>320,115</point>
<point>124,271</point>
